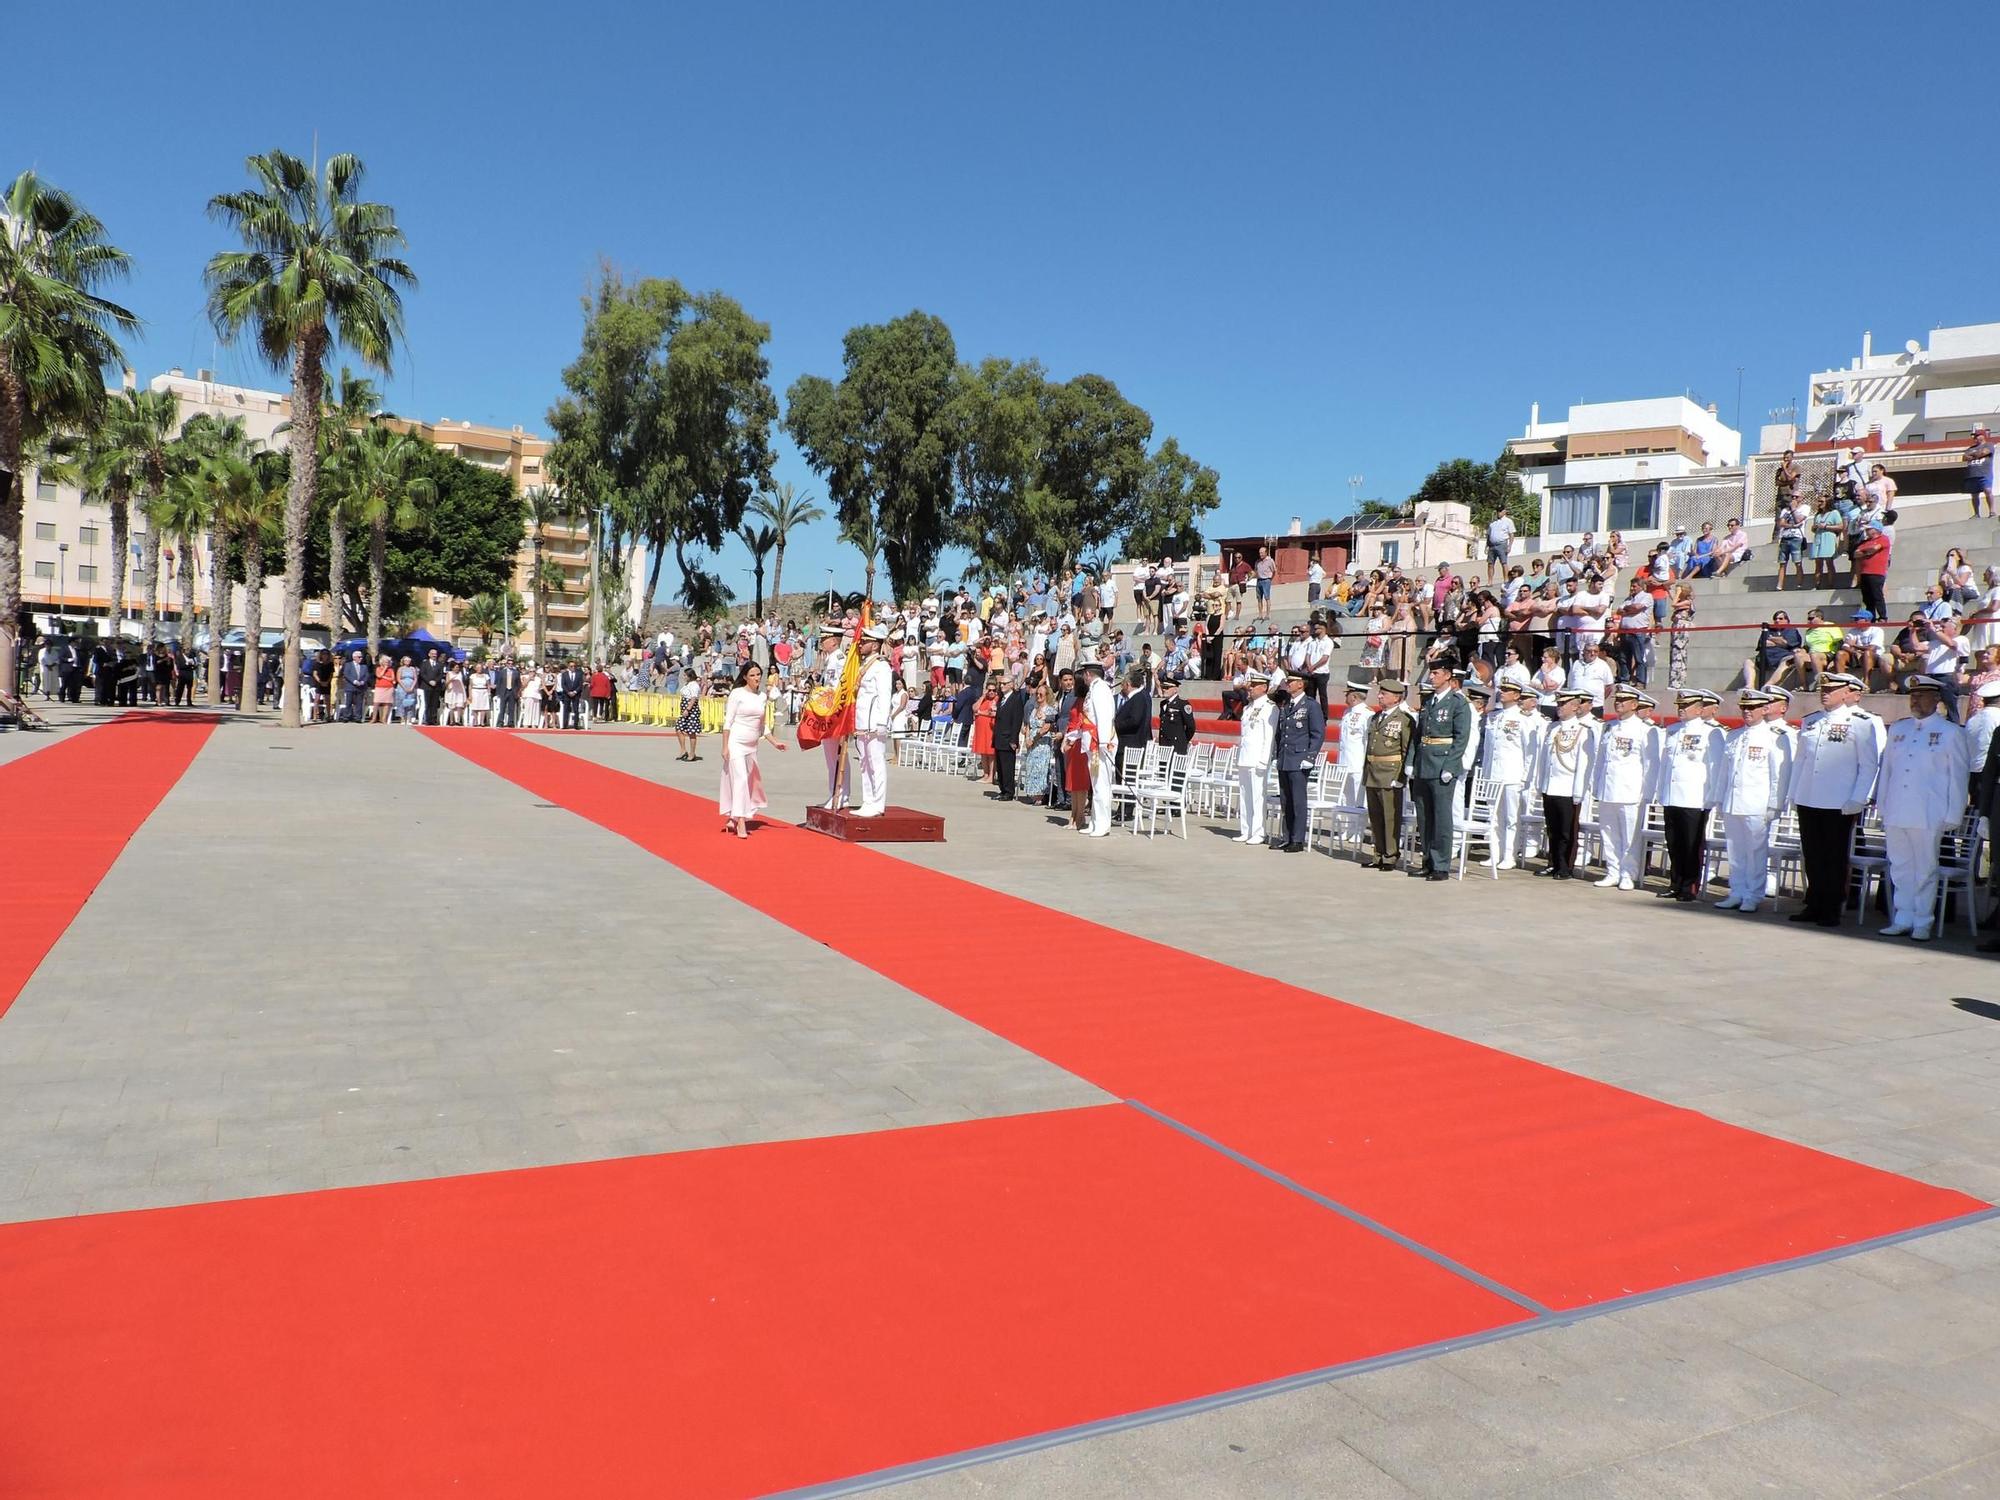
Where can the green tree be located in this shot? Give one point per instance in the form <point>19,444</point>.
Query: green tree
<point>125,454</point>
<point>57,338</point>
<point>665,434</point>
<point>257,511</point>
<point>1093,466</point>
<point>760,540</point>
<point>491,614</point>
<point>1484,489</point>
<point>355,404</point>
<point>321,269</point>
<point>999,410</point>
<point>382,485</point>
<point>884,437</point>
<point>785,510</point>
<point>1174,495</point>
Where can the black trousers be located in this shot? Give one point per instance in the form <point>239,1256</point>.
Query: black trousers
<point>1385,822</point>
<point>1686,829</point>
<point>510,710</point>
<point>1559,813</point>
<point>433,704</point>
<point>353,703</point>
<point>1435,802</point>
<point>1825,838</point>
<point>1003,770</point>
<point>1316,687</point>
<point>1871,595</point>
<point>572,710</point>
<point>1292,805</point>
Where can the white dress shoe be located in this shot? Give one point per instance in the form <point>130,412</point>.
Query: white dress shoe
<point>1920,934</point>
<point>1748,907</point>
<point>1626,885</point>
<point>1507,864</point>
<point>1606,883</point>
<point>1732,904</point>
<point>1896,929</point>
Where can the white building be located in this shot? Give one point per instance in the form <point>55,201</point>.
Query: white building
<point>1916,397</point>
<point>1608,466</point>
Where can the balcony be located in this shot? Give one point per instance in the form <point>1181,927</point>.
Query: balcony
<point>574,608</point>
<point>1950,402</point>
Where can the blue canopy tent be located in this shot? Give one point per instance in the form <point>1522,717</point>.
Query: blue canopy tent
<point>416,645</point>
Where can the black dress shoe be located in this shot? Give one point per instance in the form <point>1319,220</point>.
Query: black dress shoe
<point>1419,873</point>
<point>1564,875</point>
<point>1437,875</point>
<point>1684,896</point>
<point>1826,922</point>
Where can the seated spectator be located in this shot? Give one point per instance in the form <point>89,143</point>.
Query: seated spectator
<point>1907,651</point>
<point>1862,649</point>
<point>1701,558</point>
<point>1778,644</point>
<point>1734,548</point>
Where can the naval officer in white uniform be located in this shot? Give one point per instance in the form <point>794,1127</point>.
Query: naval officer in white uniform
<point>1833,776</point>
<point>1628,765</point>
<point>1512,737</point>
<point>1920,791</point>
<point>873,701</point>
<point>1756,776</point>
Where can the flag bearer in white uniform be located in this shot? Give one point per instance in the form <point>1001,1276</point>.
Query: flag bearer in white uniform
<point>833,658</point>
<point>1756,772</point>
<point>1691,756</point>
<point>1253,757</point>
<point>1353,752</point>
<point>1103,709</point>
<point>1920,791</point>
<point>1628,767</point>
<point>873,702</point>
<point>1512,738</point>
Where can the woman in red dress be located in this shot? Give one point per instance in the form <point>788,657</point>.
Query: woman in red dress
<point>982,728</point>
<point>1079,741</point>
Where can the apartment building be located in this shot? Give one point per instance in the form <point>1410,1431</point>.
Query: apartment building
<point>1609,465</point>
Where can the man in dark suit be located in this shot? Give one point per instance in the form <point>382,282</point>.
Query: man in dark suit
<point>964,706</point>
<point>1133,722</point>
<point>507,694</point>
<point>355,682</point>
<point>1176,718</point>
<point>570,684</point>
<point>1007,719</point>
<point>1300,741</point>
<point>1065,701</point>
<point>430,681</point>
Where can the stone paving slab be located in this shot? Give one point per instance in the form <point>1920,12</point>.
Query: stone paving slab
<point>347,956</point>
<point>1860,1376</point>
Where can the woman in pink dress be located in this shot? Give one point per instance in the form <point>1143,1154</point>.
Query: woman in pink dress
<point>742,730</point>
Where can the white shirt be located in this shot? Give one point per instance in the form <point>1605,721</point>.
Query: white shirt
<point>1588,627</point>
<point>1691,764</point>
<point>1353,739</point>
<point>1628,761</point>
<point>1756,771</point>
<point>1319,653</point>
<point>1593,677</point>
<point>1102,708</point>
<point>1253,752</point>
<point>1107,592</point>
<point>1836,759</point>
<point>1566,758</point>
<point>1979,734</point>
<point>873,698</point>
<point>1500,531</point>
<point>1924,771</point>
<point>1515,673</point>
<point>1512,739</point>
<point>1863,638</point>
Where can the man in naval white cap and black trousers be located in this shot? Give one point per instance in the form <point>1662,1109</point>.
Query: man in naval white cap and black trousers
<point>833,660</point>
<point>1920,791</point>
<point>873,699</point>
<point>1756,779</point>
<point>1833,776</point>
<point>1628,766</point>
<point>1565,771</point>
<point>1691,760</point>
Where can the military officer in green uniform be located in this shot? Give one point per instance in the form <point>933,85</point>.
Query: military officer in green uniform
<point>1437,761</point>
<point>1391,733</point>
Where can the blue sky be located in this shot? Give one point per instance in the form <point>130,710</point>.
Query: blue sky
<point>1314,241</point>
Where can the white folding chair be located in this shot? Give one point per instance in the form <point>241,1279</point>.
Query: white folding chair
<point>1958,869</point>
<point>1867,856</point>
<point>1166,793</point>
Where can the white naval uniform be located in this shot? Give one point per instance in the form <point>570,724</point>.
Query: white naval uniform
<point>1920,792</point>
<point>1756,776</point>
<point>1566,758</point>
<point>873,702</point>
<point>1691,760</point>
<point>1834,761</point>
<point>1102,709</point>
<point>838,783</point>
<point>1470,762</point>
<point>1253,763</point>
<point>1352,754</point>
<point>1628,766</point>
<point>1512,739</point>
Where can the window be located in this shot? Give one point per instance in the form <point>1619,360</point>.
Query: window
<point>45,489</point>
<point>1572,508</point>
<point>86,573</point>
<point>87,535</point>
<point>1392,554</point>
<point>1634,507</point>
<point>45,531</point>
<point>45,570</point>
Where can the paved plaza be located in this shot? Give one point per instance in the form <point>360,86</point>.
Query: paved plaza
<point>348,956</point>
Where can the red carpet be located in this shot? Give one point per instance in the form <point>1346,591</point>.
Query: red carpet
<point>67,812</point>
<point>711,1323</point>
<point>1571,1191</point>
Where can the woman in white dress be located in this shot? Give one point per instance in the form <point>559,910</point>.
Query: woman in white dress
<point>454,697</point>
<point>531,699</point>
<point>742,731</point>
<point>482,695</point>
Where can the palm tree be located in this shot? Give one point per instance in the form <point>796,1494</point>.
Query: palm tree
<point>224,466</point>
<point>320,269</point>
<point>57,337</point>
<point>546,507</point>
<point>379,488</point>
<point>257,512</point>
<point>354,405</point>
<point>183,511</point>
<point>862,532</point>
<point>131,453</point>
<point>784,509</point>
<point>489,614</point>
<point>760,540</point>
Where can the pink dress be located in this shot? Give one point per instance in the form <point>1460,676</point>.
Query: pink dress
<point>742,728</point>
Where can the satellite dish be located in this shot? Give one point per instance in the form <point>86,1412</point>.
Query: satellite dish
<point>1913,347</point>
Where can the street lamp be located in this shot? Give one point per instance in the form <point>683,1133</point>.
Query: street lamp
<point>62,576</point>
